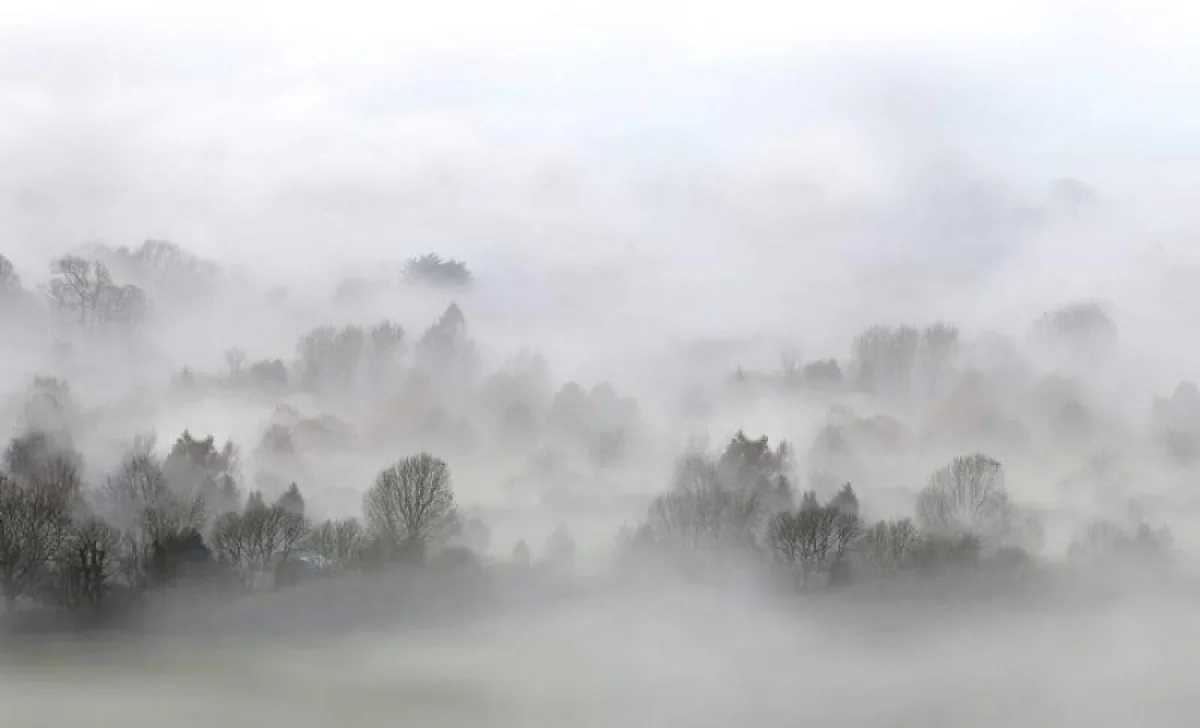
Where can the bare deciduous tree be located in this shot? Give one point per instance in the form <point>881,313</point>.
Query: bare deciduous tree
<point>75,286</point>
<point>886,358</point>
<point>87,563</point>
<point>84,290</point>
<point>967,498</point>
<point>700,514</point>
<point>122,305</point>
<point>35,520</point>
<point>816,537</point>
<point>339,543</point>
<point>888,545</point>
<point>411,504</point>
<point>139,502</point>
<point>258,540</point>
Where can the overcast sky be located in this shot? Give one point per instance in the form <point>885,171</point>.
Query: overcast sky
<point>509,132</point>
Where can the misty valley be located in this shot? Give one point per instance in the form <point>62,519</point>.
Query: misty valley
<point>377,509</point>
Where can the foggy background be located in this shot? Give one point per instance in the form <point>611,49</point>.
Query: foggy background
<point>655,195</point>
<point>662,149</point>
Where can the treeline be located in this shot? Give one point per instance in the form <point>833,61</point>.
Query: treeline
<point>80,542</point>
<point>903,363</point>
<point>432,389</point>
<point>102,288</point>
<point>930,383</point>
<point>96,549</point>
<point>738,509</point>
<point>181,520</point>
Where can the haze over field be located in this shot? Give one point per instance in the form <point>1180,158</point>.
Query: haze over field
<point>651,363</point>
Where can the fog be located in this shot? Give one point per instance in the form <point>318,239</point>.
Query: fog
<point>658,662</point>
<point>368,364</point>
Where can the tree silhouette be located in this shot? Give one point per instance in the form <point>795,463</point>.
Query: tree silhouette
<point>431,269</point>
<point>411,506</point>
<point>967,498</point>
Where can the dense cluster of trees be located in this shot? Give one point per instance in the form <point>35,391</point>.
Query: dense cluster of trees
<point>334,360</point>
<point>430,388</point>
<point>83,290</point>
<point>714,516</point>
<point>920,384</point>
<point>433,390</point>
<point>90,538</point>
<point>181,520</point>
<point>101,289</point>
<point>895,364</point>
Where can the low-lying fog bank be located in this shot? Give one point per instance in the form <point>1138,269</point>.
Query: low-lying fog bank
<point>680,657</point>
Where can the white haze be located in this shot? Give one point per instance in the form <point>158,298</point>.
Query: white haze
<point>626,180</point>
